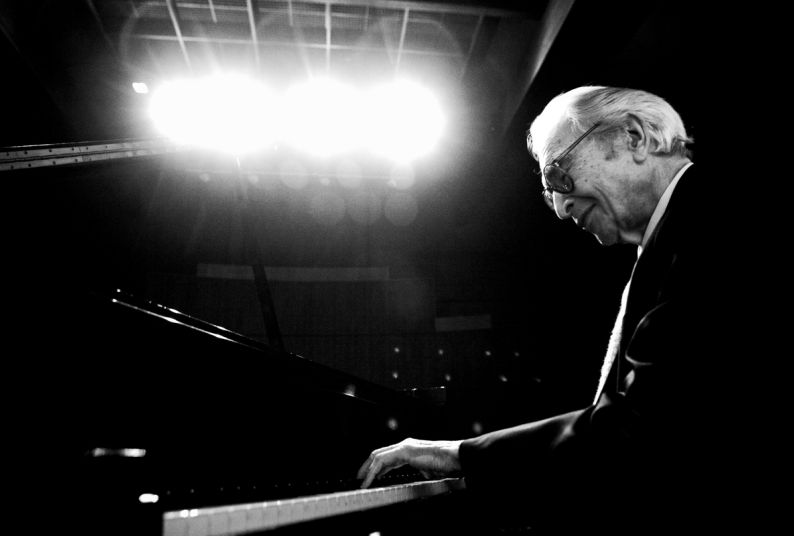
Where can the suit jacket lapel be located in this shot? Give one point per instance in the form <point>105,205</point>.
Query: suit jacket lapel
<point>643,292</point>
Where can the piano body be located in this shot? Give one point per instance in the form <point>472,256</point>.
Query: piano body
<point>148,421</point>
<point>128,418</point>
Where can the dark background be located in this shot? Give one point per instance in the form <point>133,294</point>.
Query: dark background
<point>482,245</point>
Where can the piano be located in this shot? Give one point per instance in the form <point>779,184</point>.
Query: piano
<point>268,515</point>
<point>150,422</point>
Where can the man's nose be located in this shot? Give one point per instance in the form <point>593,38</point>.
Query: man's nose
<point>563,205</point>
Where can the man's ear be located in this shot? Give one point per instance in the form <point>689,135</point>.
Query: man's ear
<point>638,141</point>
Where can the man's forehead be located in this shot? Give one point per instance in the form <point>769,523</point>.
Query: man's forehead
<point>558,139</point>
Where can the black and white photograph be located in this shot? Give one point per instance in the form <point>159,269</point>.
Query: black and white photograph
<point>386,268</point>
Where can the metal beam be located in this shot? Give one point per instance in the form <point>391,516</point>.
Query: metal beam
<point>252,22</point>
<point>98,19</point>
<point>288,44</point>
<point>406,14</point>
<point>35,156</point>
<point>212,11</point>
<point>175,20</point>
<point>328,38</point>
<point>553,19</point>
<point>289,9</point>
<point>431,7</point>
<point>471,45</point>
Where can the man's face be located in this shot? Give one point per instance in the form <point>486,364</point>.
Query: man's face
<point>611,198</point>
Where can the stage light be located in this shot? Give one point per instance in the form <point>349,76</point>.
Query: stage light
<point>322,117</point>
<point>404,120</point>
<point>140,87</point>
<point>225,112</point>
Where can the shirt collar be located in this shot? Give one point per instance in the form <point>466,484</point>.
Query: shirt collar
<point>661,207</point>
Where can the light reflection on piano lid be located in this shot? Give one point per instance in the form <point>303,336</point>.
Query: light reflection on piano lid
<point>171,319</point>
<point>335,381</point>
<point>120,453</point>
<point>260,516</point>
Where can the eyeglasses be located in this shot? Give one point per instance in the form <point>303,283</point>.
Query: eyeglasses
<point>556,179</point>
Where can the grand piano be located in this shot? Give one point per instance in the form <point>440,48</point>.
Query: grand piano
<point>151,422</point>
<point>127,417</point>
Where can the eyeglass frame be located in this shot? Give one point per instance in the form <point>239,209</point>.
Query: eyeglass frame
<point>567,185</point>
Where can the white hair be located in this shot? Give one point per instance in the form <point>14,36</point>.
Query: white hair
<point>611,106</point>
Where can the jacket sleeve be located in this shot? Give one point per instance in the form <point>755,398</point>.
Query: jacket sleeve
<point>634,446</point>
<point>656,431</point>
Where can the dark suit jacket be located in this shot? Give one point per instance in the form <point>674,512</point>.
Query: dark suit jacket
<point>649,456</point>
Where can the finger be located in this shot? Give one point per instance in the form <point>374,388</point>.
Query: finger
<point>378,453</point>
<point>365,466</point>
<point>380,466</point>
<point>374,469</point>
<point>362,471</point>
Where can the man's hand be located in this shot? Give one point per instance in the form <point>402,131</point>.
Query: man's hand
<point>434,459</point>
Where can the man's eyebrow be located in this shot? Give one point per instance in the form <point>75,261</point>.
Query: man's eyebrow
<point>552,152</point>
<point>558,151</point>
<point>565,160</point>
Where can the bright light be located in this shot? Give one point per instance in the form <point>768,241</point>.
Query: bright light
<point>404,120</point>
<point>140,87</point>
<point>225,112</point>
<point>322,117</point>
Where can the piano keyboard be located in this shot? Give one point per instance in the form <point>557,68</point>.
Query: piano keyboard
<point>259,516</point>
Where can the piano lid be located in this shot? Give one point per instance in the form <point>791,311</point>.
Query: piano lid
<point>113,372</point>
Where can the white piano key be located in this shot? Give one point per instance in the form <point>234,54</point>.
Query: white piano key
<point>198,525</point>
<point>306,509</point>
<point>237,520</point>
<point>323,507</point>
<point>334,505</point>
<point>175,526</point>
<point>253,517</point>
<point>270,518</point>
<point>285,513</point>
<point>218,521</point>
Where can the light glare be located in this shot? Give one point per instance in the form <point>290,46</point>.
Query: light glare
<point>405,120</point>
<point>229,113</point>
<point>400,120</point>
<point>322,117</point>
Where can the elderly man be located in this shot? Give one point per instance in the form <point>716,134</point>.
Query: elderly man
<point>645,456</point>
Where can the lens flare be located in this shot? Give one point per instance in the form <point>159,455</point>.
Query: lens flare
<point>225,112</point>
<point>323,117</point>
<point>405,120</point>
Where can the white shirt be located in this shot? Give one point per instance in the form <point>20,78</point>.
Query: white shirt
<point>614,339</point>
<point>661,206</point>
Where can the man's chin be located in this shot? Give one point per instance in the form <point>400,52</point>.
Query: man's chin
<point>605,240</point>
